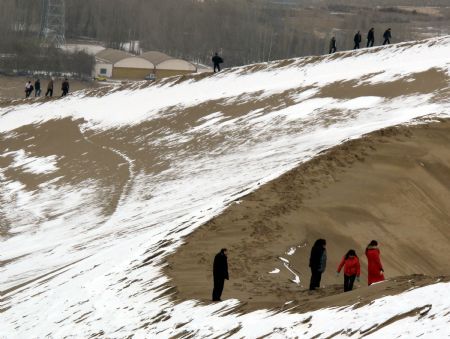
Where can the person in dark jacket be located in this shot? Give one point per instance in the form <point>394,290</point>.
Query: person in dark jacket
<point>371,37</point>
<point>387,37</point>
<point>49,88</point>
<point>357,40</point>
<point>217,60</point>
<point>220,273</point>
<point>375,271</point>
<point>65,87</point>
<point>352,269</point>
<point>37,88</point>
<point>317,262</point>
<point>333,47</point>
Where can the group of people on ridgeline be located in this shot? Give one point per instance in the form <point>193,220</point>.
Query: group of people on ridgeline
<point>350,264</point>
<point>29,88</point>
<point>317,262</point>
<point>357,39</point>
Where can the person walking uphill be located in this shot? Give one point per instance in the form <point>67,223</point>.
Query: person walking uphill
<point>387,37</point>
<point>375,268</point>
<point>357,40</point>
<point>352,269</point>
<point>28,89</point>
<point>333,47</point>
<point>371,37</point>
<point>37,88</point>
<point>217,60</point>
<point>65,87</point>
<point>220,273</point>
<point>49,88</point>
<point>317,262</point>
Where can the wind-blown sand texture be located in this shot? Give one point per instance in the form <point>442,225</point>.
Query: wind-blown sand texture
<point>97,190</point>
<point>392,185</point>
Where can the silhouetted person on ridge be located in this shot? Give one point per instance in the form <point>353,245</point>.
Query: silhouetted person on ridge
<point>317,262</point>
<point>357,40</point>
<point>220,273</point>
<point>387,37</point>
<point>65,87</point>
<point>333,47</point>
<point>28,89</point>
<point>371,37</point>
<point>49,88</point>
<point>37,88</point>
<point>217,60</point>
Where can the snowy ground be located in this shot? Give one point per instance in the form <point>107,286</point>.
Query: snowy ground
<point>70,270</point>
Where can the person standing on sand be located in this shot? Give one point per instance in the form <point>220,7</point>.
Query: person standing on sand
<point>65,87</point>
<point>375,268</point>
<point>217,60</point>
<point>49,88</point>
<point>37,88</point>
<point>317,262</point>
<point>371,37</point>
<point>333,47</point>
<point>387,37</point>
<point>28,89</point>
<point>352,269</point>
<point>357,40</point>
<point>220,273</point>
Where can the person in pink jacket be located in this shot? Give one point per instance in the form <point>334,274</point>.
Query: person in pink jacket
<point>352,269</point>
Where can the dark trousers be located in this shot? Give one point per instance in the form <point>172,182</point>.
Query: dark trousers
<point>218,288</point>
<point>316,276</point>
<point>64,93</point>
<point>386,41</point>
<point>49,92</point>
<point>370,43</point>
<point>356,45</point>
<point>348,282</point>
<point>216,66</point>
<point>332,50</point>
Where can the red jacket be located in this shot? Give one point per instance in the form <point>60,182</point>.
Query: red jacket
<point>351,266</point>
<point>375,268</point>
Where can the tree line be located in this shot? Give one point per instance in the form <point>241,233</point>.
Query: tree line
<point>243,31</point>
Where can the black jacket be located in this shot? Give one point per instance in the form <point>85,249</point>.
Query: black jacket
<point>318,259</point>
<point>65,86</point>
<point>220,267</point>
<point>371,35</point>
<point>387,34</point>
<point>217,60</point>
<point>357,38</point>
<point>37,85</point>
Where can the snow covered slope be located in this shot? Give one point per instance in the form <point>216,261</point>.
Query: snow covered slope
<point>96,191</point>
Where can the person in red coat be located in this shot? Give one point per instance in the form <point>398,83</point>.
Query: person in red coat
<point>375,269</point>
<point>352,269</point>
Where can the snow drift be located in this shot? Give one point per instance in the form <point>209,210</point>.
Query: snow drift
<point>96,191</point>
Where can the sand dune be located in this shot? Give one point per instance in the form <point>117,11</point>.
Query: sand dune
<point>392,185</point>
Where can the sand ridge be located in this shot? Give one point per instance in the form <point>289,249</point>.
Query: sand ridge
<point>392,185</point>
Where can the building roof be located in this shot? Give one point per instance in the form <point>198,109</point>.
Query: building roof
<point>155,57</point>
<point>177,64</point>
<point>112,55</point>
<point>134,62</point>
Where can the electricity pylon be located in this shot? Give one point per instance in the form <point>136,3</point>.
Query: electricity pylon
<point>53,22</point>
